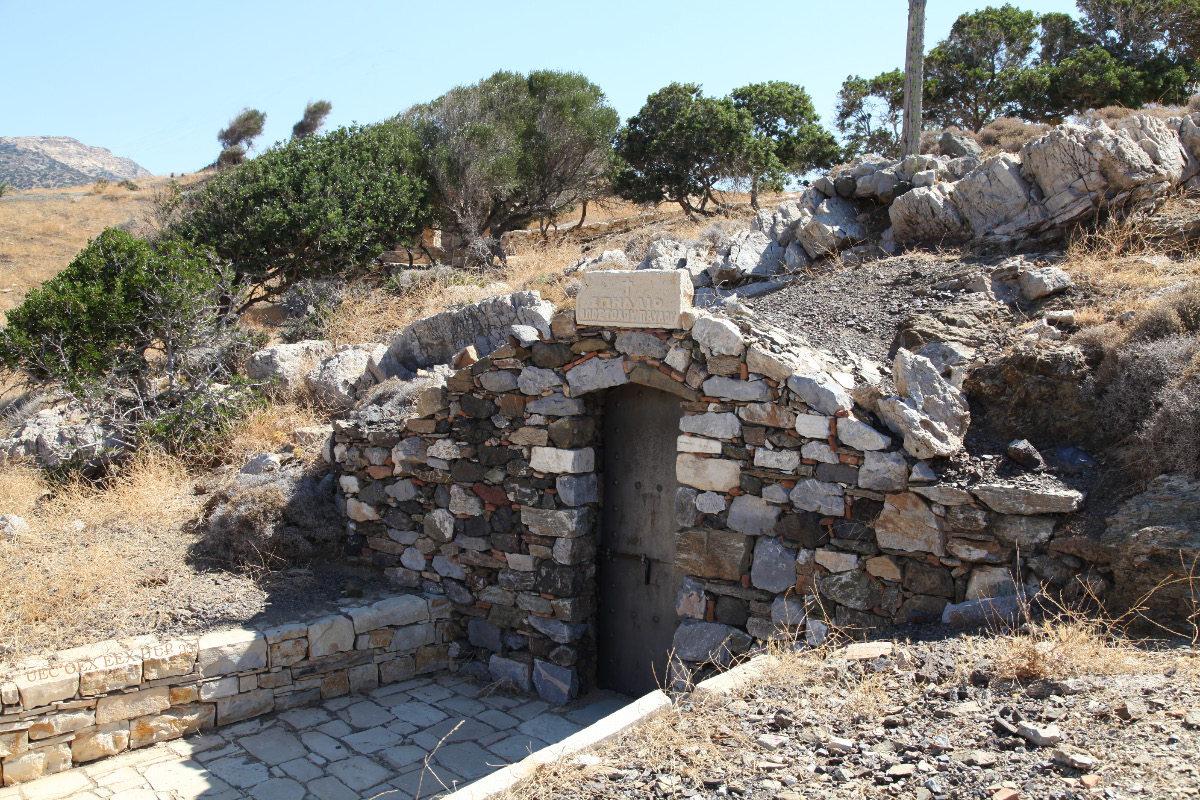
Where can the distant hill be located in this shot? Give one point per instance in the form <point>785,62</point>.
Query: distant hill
<point>53,162</point>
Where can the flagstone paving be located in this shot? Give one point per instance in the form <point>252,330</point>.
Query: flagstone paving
<point>417,739</point>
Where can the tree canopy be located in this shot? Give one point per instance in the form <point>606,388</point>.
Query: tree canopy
<point>313,119</point>
<point>513,149</point>
<point>681,144</point>
<point>242,129</point>
<point>870,113</point>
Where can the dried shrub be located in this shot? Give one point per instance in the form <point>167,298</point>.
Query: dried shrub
<point>1009,134</point>
<point>1130,384</point>
<point>1154,324</point>
<point>272,520</point>
<point>1170,440</point>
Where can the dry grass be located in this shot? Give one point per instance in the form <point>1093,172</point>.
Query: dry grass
<point>267,430</point>
<point>41,230</point>
<point>536,262</point>
<point>76,572</point>
<point>1126,262</point>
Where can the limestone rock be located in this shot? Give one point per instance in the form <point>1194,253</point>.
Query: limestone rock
<point>285,365</point>
<point>814,495</point>
<point>832,227</point>
<point>483,325</point>
<point>751,515</point>
<point>956,145</point>
<point>821,392</point>
<point>883,471</point>
<point>989,582</point>
<point>927,214</point>
<point>709,642</point>
<point>337,380</point>
<point>1041,498</point>
<point>60,436</point>
<point>718,336</point>
<point>996,200</point>
<point>708,474</point>
<point>990,611</point>
<point>596,373</point>
<point>751,254</point>
<point>854,589</point>
<point>1042,282</point>
<point>909,525</point>
<point>712,424</point>
<point>860,436</point>
<point>930,414</point>
<point>668,253</point>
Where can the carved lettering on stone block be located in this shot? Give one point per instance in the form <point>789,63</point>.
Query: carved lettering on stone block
<point>647,298</point>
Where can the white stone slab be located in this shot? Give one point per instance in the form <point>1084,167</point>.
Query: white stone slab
<point>646,298</point>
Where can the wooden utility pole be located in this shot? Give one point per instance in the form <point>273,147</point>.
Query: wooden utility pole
<point>914,77</point>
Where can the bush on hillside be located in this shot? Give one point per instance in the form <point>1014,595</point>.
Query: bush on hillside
<point>315,207</point>
<point>1009,134</point>
<point>135,330</point>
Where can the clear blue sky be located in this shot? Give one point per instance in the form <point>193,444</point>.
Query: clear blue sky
<point>154,81</point>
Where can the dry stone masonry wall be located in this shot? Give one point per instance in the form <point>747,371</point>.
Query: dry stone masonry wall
<point>97,701</point>
<point>797,508</point>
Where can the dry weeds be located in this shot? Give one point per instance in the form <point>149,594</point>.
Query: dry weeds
<point>77,571</point>
<point>268,429</point>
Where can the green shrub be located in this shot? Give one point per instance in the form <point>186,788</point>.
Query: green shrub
<point>5,189</point>
<point>120,295</point>
<point>314,207</point>
<point>130,185</point>
<point>100,185</point>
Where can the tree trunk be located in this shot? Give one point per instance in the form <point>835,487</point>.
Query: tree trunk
<point>582,216</point>
<point>914,78</point>
<point>754,193</point>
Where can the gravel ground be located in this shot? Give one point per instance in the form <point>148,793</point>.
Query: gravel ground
<point>927,720</point>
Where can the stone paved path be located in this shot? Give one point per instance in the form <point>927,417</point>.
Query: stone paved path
<point>347,748</point>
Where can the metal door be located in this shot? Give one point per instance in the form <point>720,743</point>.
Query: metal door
<point>636,563</point>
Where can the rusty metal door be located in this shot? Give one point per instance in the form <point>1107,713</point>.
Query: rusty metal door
<point>636,562</point>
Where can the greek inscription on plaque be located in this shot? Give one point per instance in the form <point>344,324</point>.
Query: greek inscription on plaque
<point>644,298</point>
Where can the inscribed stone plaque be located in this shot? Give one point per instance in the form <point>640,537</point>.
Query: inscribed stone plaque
<point>644,298</point>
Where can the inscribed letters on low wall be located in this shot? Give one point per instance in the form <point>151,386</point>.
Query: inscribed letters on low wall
<point>646,298</point>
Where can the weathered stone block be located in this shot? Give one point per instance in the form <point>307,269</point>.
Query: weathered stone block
<point>129,706</point>
<point>1022,531</point>
<point>990,582</point>
<point>782,460</point>
<point>578,490</point>
<point>690,602</point>
<point>752,515</point>
<point>860,436</point>
<point>171,724</point>
<point>774,567</point>
<point>836,560</point>
<point>909,525</point>
<point>883,472</point>
<point>1028,500</point>
<point>104,741</point>
<point>60,723</point>
<point>41,686</point>
<point>402,610</point>
<point>329,635</point>
<point>718,336</point>
<point>813,495</point>
<point>731,389</point>
<point>226,652</point>
<point>251,704</point>
<point>508,671</point>
<point>553,459</point>
<point>712,424</point>
<point>709,642</point>
<point>698,444</point>
<point>595,374</point>
<point>820,392</point>
<point>771,415</point>
<point>717,554</point>
<point>567,523</point>
<point>855,590</point>
<point>648,298</point>
<point>556,685</point>
<point>710,474</point>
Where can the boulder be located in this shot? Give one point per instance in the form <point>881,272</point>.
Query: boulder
<point>61,436</point>
<point>484,325</point>
<point>285,365</point>
<point>930,413</point>
<point>957,145</point>
<point>1161,143</point>
<point>337,380</point>
<point>1155,540</point>
<point>1043,282</point>
<point>780,225</point>
<point>832,227</point>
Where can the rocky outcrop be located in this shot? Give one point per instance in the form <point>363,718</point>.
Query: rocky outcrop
<point>1154,541</point>
<point>61,436</point>
<point>284,366</point>
<point>337,380</point>
<point>485,326</point>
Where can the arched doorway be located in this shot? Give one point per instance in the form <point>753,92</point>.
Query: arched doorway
<point>636,576</point>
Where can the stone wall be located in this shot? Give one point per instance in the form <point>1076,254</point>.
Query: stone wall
<point>96,701</point>
<point>795,511</point>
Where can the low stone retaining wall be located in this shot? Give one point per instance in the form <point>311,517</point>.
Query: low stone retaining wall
<point>91,702</point>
